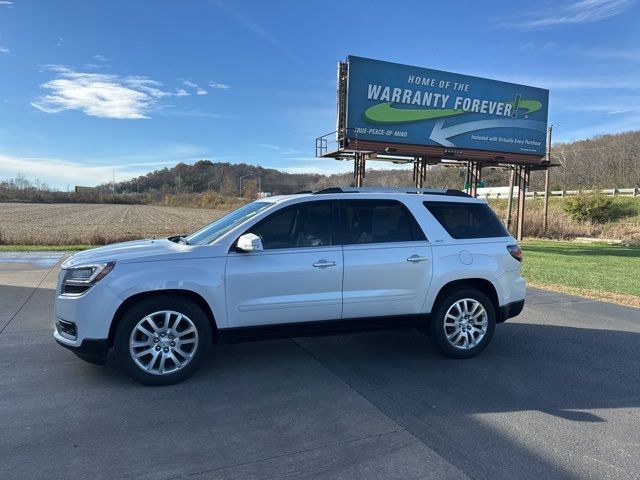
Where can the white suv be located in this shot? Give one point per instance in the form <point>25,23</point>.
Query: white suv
<point>334,260</point>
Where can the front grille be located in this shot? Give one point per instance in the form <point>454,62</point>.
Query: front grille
<point>66,329</point>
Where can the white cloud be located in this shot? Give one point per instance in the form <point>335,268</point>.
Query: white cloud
<point>219,86</point>
<point>279,149</point>
<point>94,66</point>
<point>101,58</point>
<point>575,12</point>
<point>59,172</point>
<point>6,2</point>
<point>4,50</point>
<point>100,95</point>
<point>181,92</point>
<point>198,89</point>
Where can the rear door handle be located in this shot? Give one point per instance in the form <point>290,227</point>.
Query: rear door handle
<point>417,259</point>
<point>324,264</point>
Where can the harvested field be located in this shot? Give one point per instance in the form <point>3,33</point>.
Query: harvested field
<point>95,224</point>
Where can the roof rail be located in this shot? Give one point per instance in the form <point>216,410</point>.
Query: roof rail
<point>329,190</point>
<point>424,191</point>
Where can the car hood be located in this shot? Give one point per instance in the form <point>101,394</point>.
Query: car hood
<point>140,250</point>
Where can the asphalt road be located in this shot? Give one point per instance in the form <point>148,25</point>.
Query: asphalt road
<point>556,395</point>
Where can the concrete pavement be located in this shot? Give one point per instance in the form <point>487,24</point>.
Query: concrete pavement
<point>556,395</point>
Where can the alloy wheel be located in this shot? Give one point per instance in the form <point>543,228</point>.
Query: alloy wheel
<point>465,323</point>
<point>163,342</point>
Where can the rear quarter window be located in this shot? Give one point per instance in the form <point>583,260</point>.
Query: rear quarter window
<point>464,220</point>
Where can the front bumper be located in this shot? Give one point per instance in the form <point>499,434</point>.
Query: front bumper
<point>90,349</point>
<point>84,317</point>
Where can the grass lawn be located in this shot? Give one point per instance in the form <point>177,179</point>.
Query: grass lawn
<point>605,272</point>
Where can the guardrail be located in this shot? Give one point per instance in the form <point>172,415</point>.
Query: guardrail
<point>614,192</point>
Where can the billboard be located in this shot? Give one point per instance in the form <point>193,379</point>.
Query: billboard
<point>393,103</point>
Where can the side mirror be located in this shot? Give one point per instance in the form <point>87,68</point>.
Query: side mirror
<point>249,242</point>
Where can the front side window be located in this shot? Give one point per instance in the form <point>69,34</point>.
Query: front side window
<point>378,221</point>
<point>464,220</point>
<point>303,225</point>
<point>215,230</point>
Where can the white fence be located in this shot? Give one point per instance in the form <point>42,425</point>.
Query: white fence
<point>503,192</point>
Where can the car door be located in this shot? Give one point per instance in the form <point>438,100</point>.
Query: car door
<point>387,259</point>
<point>298,275</point>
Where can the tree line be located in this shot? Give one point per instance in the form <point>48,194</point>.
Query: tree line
<point>604,161</point>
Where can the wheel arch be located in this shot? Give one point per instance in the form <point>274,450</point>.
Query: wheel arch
<point>481,284</point>
<point>187,294</point>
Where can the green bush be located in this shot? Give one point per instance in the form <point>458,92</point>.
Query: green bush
<point>595,208</point>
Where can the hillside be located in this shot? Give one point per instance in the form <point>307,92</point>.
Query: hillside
<point>223,178</point>
<point>604,161</point>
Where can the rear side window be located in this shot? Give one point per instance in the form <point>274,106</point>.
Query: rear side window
<point>467,220</point>
<point>377,221</point>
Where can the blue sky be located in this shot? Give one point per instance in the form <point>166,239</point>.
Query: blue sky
<point>88,86</point>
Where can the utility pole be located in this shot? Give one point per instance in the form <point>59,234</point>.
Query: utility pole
<point>113,183</point>
<point>546,182</point>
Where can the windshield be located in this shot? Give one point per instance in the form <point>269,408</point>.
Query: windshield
<point>215,230</point>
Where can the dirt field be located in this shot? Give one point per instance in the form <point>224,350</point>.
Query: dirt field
<point>68,224</point>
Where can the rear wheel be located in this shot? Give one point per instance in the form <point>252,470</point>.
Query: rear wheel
<point>163,340</point>
<point>463,323</point>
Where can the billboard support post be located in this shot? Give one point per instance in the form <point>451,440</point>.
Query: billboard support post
<point>419,171</point>
<point>523,181</point>
<point>475,177</point>
<point>359,164</point>
<point>512,172</point>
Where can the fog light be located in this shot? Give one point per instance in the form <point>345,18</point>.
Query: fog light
<point>66,329</point>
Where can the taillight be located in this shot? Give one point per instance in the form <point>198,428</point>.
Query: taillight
<point>515,251</point>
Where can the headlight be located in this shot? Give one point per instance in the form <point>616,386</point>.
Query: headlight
<point>77,280</point>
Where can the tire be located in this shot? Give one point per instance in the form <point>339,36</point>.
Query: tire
<point>170,328</point>
<point>450,338</point>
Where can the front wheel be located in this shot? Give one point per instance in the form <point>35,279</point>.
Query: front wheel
<point>163,340</point>
<point>463,323</point>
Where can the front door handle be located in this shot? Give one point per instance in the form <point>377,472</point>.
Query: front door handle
<point>324,264</point>
<point>417,259</point>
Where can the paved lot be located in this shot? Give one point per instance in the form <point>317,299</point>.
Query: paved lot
<point>556,395</point>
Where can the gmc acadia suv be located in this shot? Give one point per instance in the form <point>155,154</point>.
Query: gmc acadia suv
<point>311,263</point>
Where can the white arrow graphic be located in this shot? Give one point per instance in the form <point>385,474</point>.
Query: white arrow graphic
<point>440,134</point>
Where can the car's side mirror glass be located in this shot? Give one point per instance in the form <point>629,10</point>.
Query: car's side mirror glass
<point>249,242</point>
